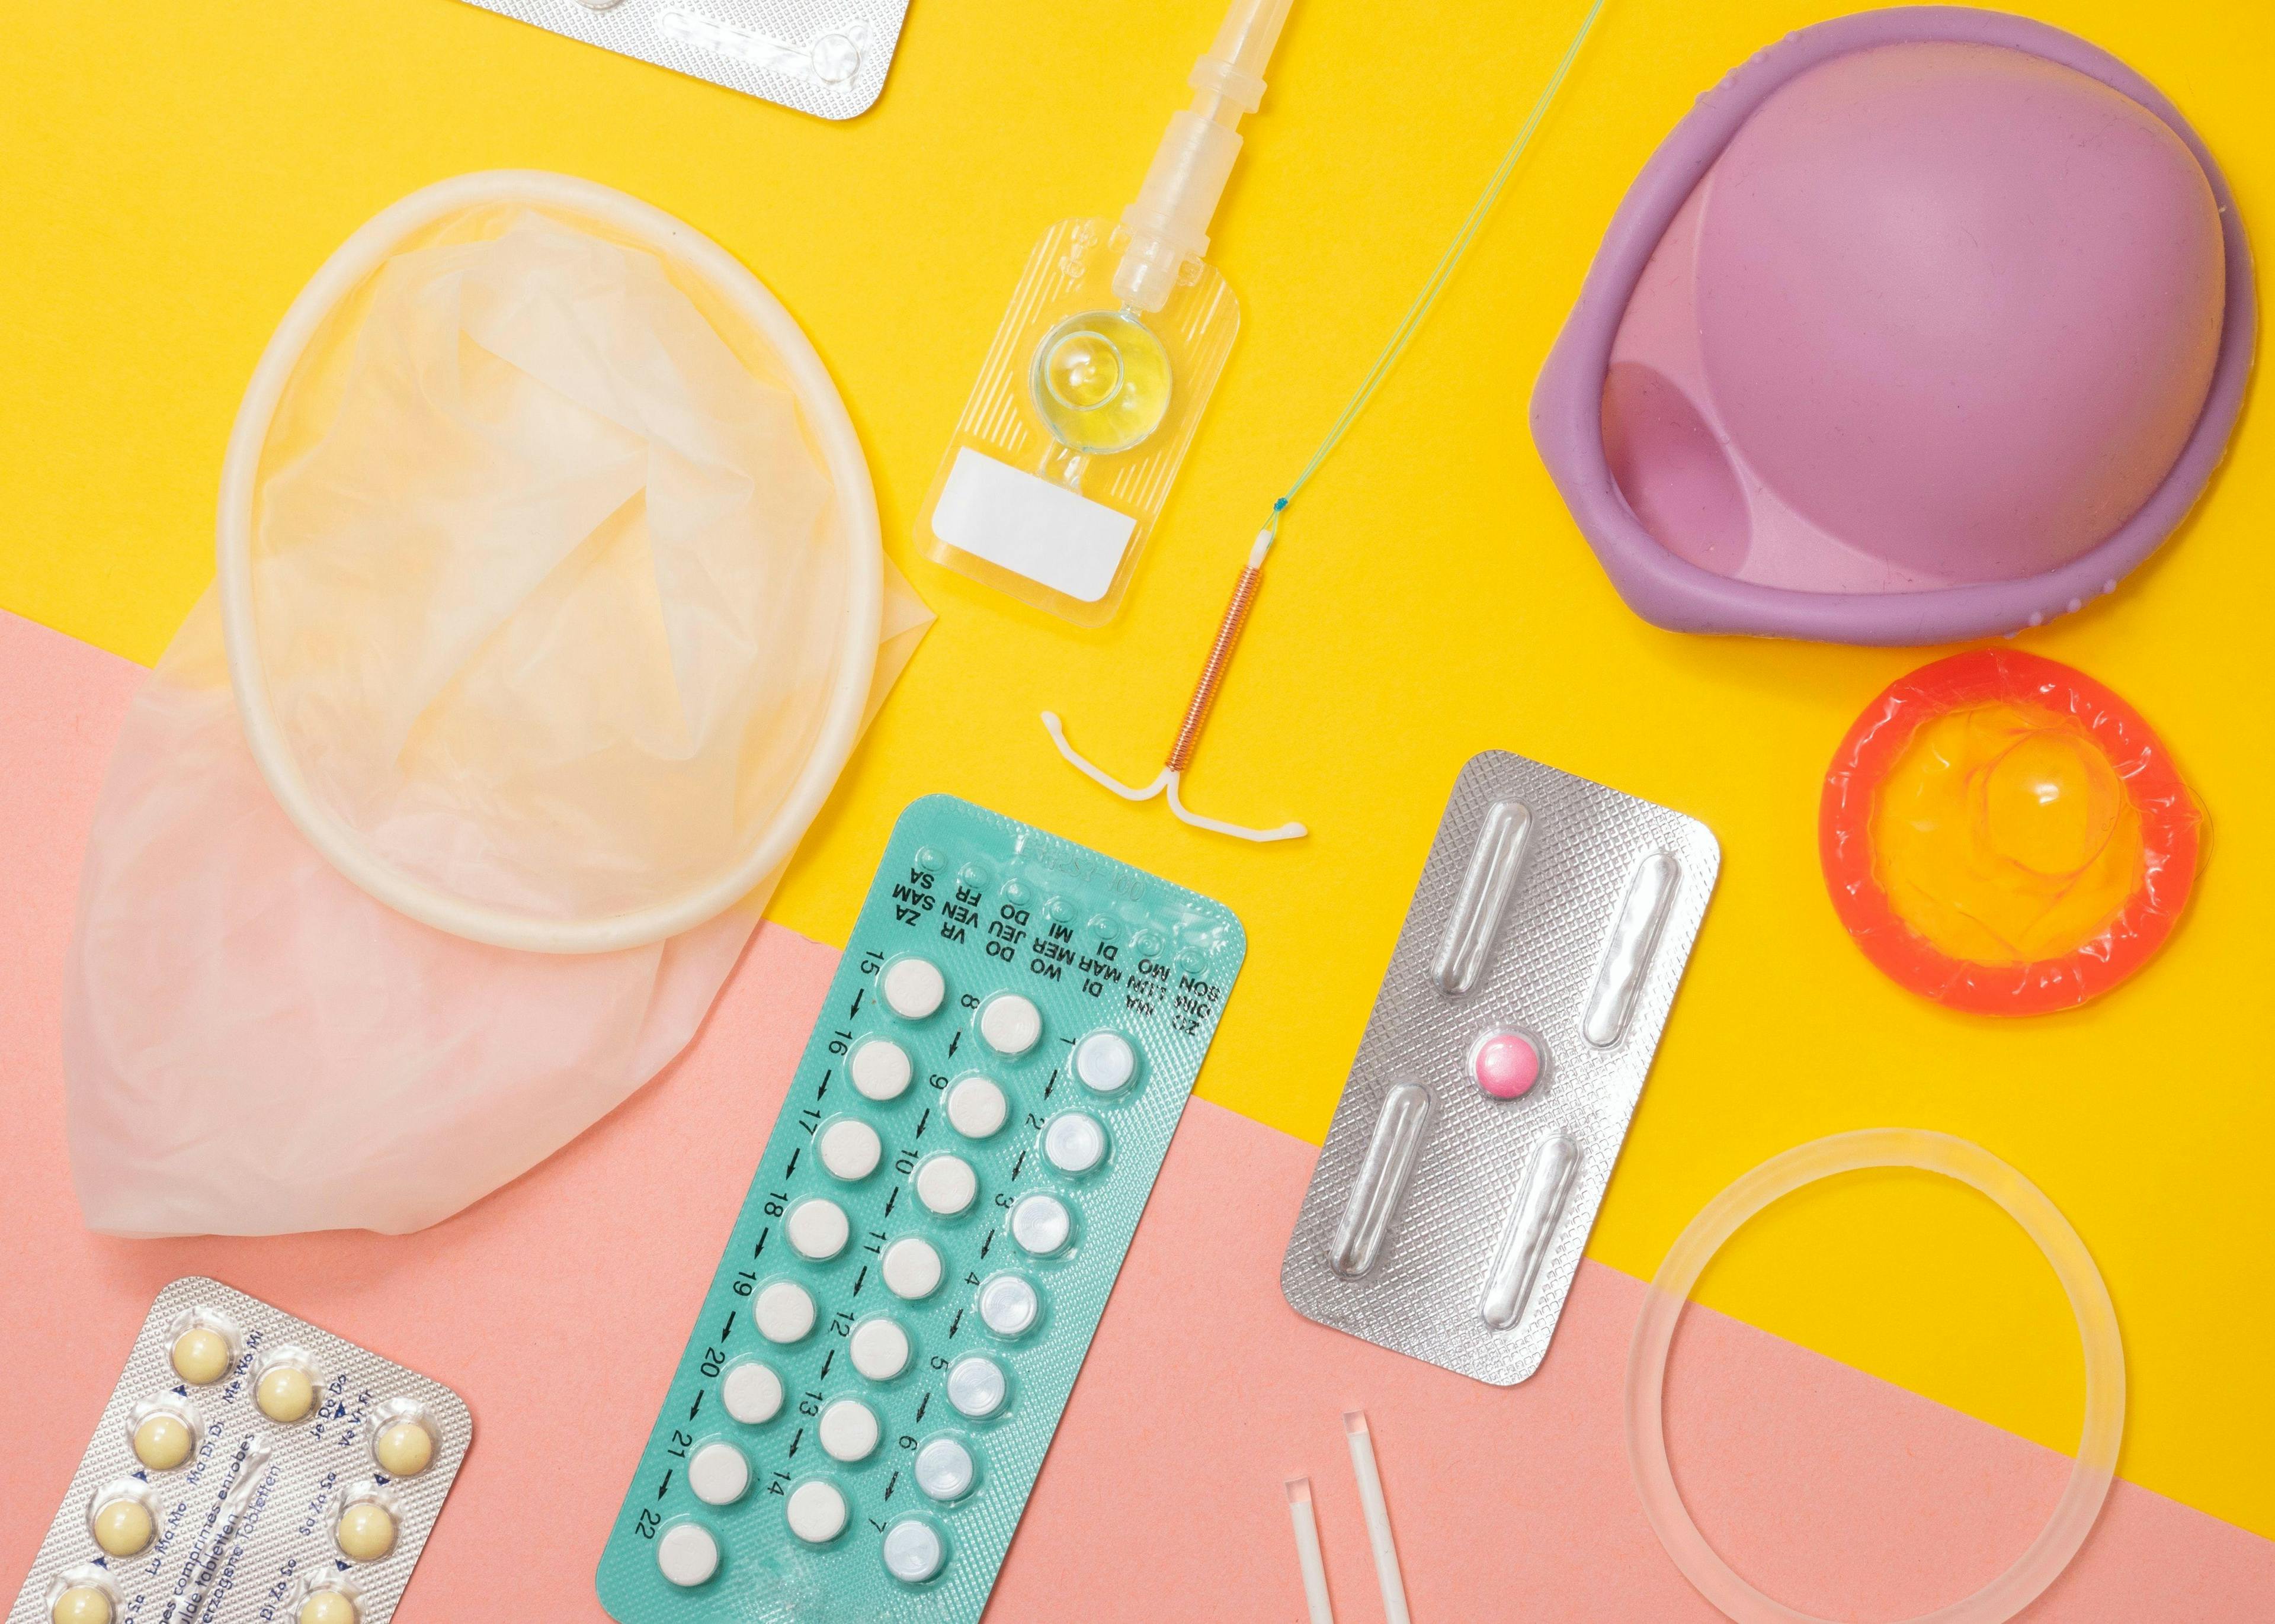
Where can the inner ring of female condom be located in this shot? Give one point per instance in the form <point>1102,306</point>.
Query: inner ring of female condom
<point>1972,1165</point>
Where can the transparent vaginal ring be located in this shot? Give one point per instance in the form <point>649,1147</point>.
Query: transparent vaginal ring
<point>1879,1147</point>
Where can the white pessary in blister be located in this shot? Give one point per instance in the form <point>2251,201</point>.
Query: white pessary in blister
<point>1502,1065</point>
<point>249,1465</point>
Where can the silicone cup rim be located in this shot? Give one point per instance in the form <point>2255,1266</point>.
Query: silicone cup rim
<point>2171,821</point>
<point>1863,1149</point>
<point>859,617</point>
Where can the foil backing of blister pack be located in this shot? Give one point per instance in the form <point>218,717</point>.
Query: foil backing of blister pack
<point>827,57</point>
<point>1580,949</point>
<point>236,1544</point>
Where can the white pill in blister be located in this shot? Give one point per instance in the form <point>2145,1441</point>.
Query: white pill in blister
<point>975,1387</point>
<point>818,1229</point>
<point>163,1442</point>
<point>848,1430</point>
<point>405,1448</point>
<point>84,1603</point>
<point>849,1149</point>
<point>1041,1224</point>
<point>816,1512</point>
<point>880,1069</point>
<point>1105,1062</point>
<point>1010,1024</point>
<point>911,1268</point>
<point>944,1469</point>
<point>914,987</point>
<point>945,1184</point>
<point>879,1350</point>
<point>784,1312</point>
<point>366,1530</point>
<point>203,1355</point>
<point>913,1551</point>
<point>687,1554</point>
<point>976,1108</point>
<point>753,1393</point>
<point>1073,1142</point>
<point>124,1526</point>
<point>327,1606</point>
<point>285,1393</point>
<point>717,1474</point>
<point>1009,1305</point>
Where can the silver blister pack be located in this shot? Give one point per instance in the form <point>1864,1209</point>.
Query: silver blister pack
<point>1493,1087</point>
<point>194,1504</point>
<point>827,57</point>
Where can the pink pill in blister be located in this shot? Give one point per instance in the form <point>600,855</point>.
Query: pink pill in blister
<point>1505,1064</point>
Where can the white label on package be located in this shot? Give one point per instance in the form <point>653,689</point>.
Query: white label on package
<point>1029,525</point>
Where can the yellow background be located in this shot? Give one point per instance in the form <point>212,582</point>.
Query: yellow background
<point>170,175</point>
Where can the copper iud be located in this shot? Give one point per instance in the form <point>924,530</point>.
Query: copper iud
<point>1197,712</point>
<point>1244,597</point>
<point>1228,637</point>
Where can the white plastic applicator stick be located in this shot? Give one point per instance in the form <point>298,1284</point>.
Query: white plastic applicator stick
<point>1307,1551</point>
<point>1378,1519</point>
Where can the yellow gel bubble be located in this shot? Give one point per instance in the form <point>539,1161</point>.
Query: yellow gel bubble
<point>200,1355</point>
<point>405,1450</point>
<point>163,1442</point>
<point>326,1607</point>
<point>365,1531</point>
<point>82,1604</point>
<point>1083,370</point>
<point>123,1528</point>
<point>1102,381</point>
<point>2003,835</point>
<point>285,1394</point>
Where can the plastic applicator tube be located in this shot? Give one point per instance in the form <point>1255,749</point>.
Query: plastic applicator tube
<point>1378,1519</point>
<point>1307,1551</point>
<point>1169,222</point>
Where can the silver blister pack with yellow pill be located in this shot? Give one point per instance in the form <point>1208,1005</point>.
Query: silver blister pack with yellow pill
<point>249,1464</point>
<point>827,57</point>
<point>1502,1063</point>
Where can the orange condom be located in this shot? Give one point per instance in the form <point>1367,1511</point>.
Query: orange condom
<point>2002,833</point>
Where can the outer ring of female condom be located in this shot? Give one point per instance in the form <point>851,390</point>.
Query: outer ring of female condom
<point>2170,832</point>
<point>1668,591</point>
<point>1972,1165</point>
<point>824,417</point>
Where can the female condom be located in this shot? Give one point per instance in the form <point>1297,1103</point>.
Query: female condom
<point>550,605</point>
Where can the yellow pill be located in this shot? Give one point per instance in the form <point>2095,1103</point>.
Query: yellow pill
<point>405,1450</point>
<point>200,1355</point>
<point>326,1607</point>
<point>285,1394</point>
<point>163,1442</point>
<point>365,1531</point>
<point>82,1604</point>
<point>123,1528</point>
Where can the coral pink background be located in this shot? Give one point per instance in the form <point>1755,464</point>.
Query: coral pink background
<point>559,1308</point>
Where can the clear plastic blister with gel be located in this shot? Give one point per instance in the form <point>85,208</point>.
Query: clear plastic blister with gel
<point>1103,364</point>
<point>1500,1068</point>
<point>249,1464</point>
<point>936,1222</point>
<point>1077,426</point>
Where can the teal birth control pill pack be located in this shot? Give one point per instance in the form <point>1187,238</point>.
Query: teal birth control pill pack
<point>947,1196</point>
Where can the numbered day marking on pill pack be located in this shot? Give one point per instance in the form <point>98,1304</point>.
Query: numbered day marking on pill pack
<point>950,1185</point>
